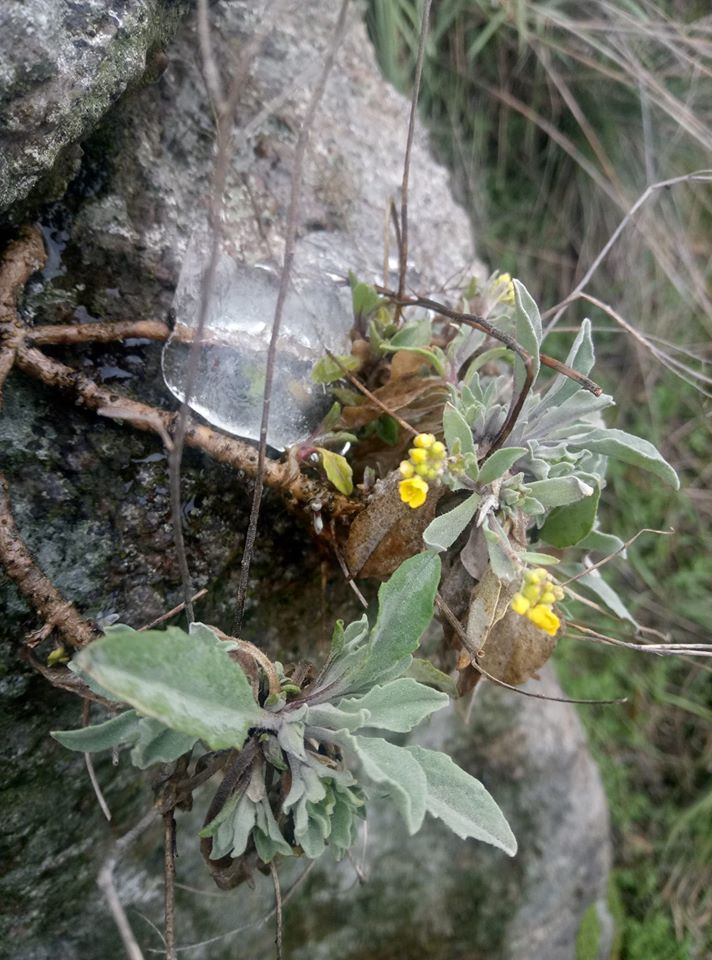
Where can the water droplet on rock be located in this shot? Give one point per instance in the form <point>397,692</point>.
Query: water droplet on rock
<point>233,353</point>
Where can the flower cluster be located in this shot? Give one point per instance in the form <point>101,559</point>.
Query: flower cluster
<point>504,289</point>
<point>426,461</point>
<point>536,599</point>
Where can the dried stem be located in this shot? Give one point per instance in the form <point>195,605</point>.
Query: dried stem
<point>403,240</point>
<point>19,261</point>
<point>105,881</point>
<point>235,453</point>
<point>34,585</point>
<point>72,333</point>
<point>278,910</point>
<point>169,873</point>
<point>699,176</point>
<point>289,244</point>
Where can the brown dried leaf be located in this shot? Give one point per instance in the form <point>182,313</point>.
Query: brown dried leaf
<point>388,531</point>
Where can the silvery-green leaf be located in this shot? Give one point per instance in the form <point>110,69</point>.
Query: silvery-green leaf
<point>559,491</point>
<point>630,449</point>
<point>444,530</point>
<point>461,802</point>
<point>568,525</point>
<point>581,358</point>
<point>311,840</point>
<point>551,422</point>
<point>333,718</point>
<point>341,821</point>
<point>188,683</point>
<point>457,430</point>
<point>528,333</point>
<point>268,837</point>
<point>243,820</point>
<point>398,706</point>
<point>605,543</point>
<point>501,555</point>
<point>499,463</point>
<point>156,743</point>
<point>101,736</point>
<point>424,672</point>
<point>595,583</point>
<point>314,789</point>
<point>539,559</point>
<point>405,608</point>
<point>395,768</point>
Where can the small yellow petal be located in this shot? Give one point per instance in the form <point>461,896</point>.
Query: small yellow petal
<point>423,470</point>
<point>531,592</point>
<point>545,619</point>
<point>520,604</point>
<point>418,456</point>
<point>413,492</point>
<point>424,440</point>
<point>406,469</point>
<point>548,597</point>
<point>438,450</point>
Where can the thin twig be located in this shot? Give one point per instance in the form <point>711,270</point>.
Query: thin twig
<point>169,874</point>
<point>105,882</point>
<point>278,909</point>
<point>219,180</point>
<point>72,333</point>
<point>229,450</point>
<point>610,556</point>
<point>468,645</point>
<point>171,613</point>
<point>289,244</point>
<point>86,711</point>
<point>699,176</point>
<point>19,261</point>
<point>403,245</point>
<point>660,649</point>
<point>34,585</point>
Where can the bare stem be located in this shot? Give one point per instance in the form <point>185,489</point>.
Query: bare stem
<point>169,872</point>
<point>290,240</point>
<point>278,909</point>
<point>403,244</point>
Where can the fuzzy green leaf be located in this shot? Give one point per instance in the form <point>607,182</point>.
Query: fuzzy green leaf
<point>457,430</point>
<point>424,672</point>
<point>568,525</point>
<point>443,531</point>
<point>363,297</point>
<point>157,744</point>
<point>398,706</point>
<point>188,683</point>
<point>560,491</point>
<point>403,776</point>
<point>461,802</point>
<point>338,470</point>
<point>499,462</point>
<point>528,332</point>
<point>101,736</point>
<point>595,583</point>
<point>630,449</point>
<point>329,369</point>
<point>405,608</point>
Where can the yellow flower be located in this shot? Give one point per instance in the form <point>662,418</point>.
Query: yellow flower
<point>424,440</point>
<point>406,469</point>
<point>504,280</point>
<point>520,604</point>
<point>413,492</point>
<point>418,456</point>
<point>544,618</point>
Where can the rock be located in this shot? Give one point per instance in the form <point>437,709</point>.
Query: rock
<point>62,66</point>
<point>91,500</point>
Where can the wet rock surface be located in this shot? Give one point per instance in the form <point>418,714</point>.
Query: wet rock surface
<point>91,499</point>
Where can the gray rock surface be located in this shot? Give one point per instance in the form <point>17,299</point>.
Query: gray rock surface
<point>62,65</point>
<point>91,500</point>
